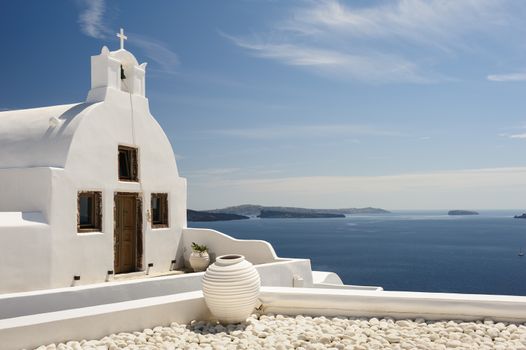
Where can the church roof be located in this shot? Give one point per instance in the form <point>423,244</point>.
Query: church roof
<point>41,137</point>
<point>38,137</point>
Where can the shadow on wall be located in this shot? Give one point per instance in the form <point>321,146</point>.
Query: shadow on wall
<point>34,216</point>
<point>65,119</point>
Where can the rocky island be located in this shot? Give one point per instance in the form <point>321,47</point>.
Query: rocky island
<point>247,211</point>
<point>462,212</point>
<point>255,210</point>
<point>195,215</point>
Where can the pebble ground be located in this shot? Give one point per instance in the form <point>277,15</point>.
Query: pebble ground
<point>310,333</point>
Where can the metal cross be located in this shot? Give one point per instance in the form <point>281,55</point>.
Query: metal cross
<point>122,37</point>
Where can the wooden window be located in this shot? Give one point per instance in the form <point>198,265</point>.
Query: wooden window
<point>128,164</point>
<point>159,210</point>
<point>89,215</point>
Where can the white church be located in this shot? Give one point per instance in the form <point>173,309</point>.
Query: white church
<point>89,190</point>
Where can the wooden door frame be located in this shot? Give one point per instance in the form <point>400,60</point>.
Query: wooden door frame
<point>138,231</point>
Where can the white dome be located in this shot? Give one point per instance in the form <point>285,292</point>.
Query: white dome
<point>38,137</point>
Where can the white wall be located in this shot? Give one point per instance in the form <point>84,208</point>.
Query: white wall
<point>430,306</point>
<point>283,272</point>
<point>325,279</point>
<point>27,303</point>
<point>25,247</point>
<point>255,251</point>
<point>25,189</point>
<point>98,321</point>
<point>26,256</point>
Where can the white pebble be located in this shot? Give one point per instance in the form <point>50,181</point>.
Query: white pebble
<point>493,332</point>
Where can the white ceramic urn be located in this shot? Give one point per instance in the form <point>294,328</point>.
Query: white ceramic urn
<point>231,288</point>
<point>199,261</point>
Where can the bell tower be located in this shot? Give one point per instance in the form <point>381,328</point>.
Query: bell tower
<point>116,71</point>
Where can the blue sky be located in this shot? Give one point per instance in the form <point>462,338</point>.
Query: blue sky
<point>397,104</point>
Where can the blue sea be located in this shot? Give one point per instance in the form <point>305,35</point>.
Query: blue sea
<point>404,251</point>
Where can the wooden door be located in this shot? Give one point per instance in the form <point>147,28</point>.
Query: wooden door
<point>125,233</point>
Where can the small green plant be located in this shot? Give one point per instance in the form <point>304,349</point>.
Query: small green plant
<point>199,248</point>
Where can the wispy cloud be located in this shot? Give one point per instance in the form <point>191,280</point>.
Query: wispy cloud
<point>305,131</point>
<point>514,136</point>
<point>517,136</point>
<point>372,67</point>
<point>517,132</point>
<point>519,76</point>
<point>469,188</point>
<point>423,22</point>
<point>157,51</point>
<point>91,19</point>
<point>398,41</point>
<point>92,24</point>
<point>456,179</point>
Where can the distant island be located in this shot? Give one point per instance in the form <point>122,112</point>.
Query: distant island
<point>462,212</point>
<point>247,211</point>
<point>523,216</point>
<point>195,215</point>
<point>255,210</point>
<point>274,214</point>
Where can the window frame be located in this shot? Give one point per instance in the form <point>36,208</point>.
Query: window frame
<point>96,212</point>
<point>164,210</point>
<point>133,163</point>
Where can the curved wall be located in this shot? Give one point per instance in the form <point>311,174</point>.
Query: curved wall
<point>255,251</point>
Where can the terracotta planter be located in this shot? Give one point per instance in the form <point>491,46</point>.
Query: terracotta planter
<point>231,288</point>
<point>199,261</point>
